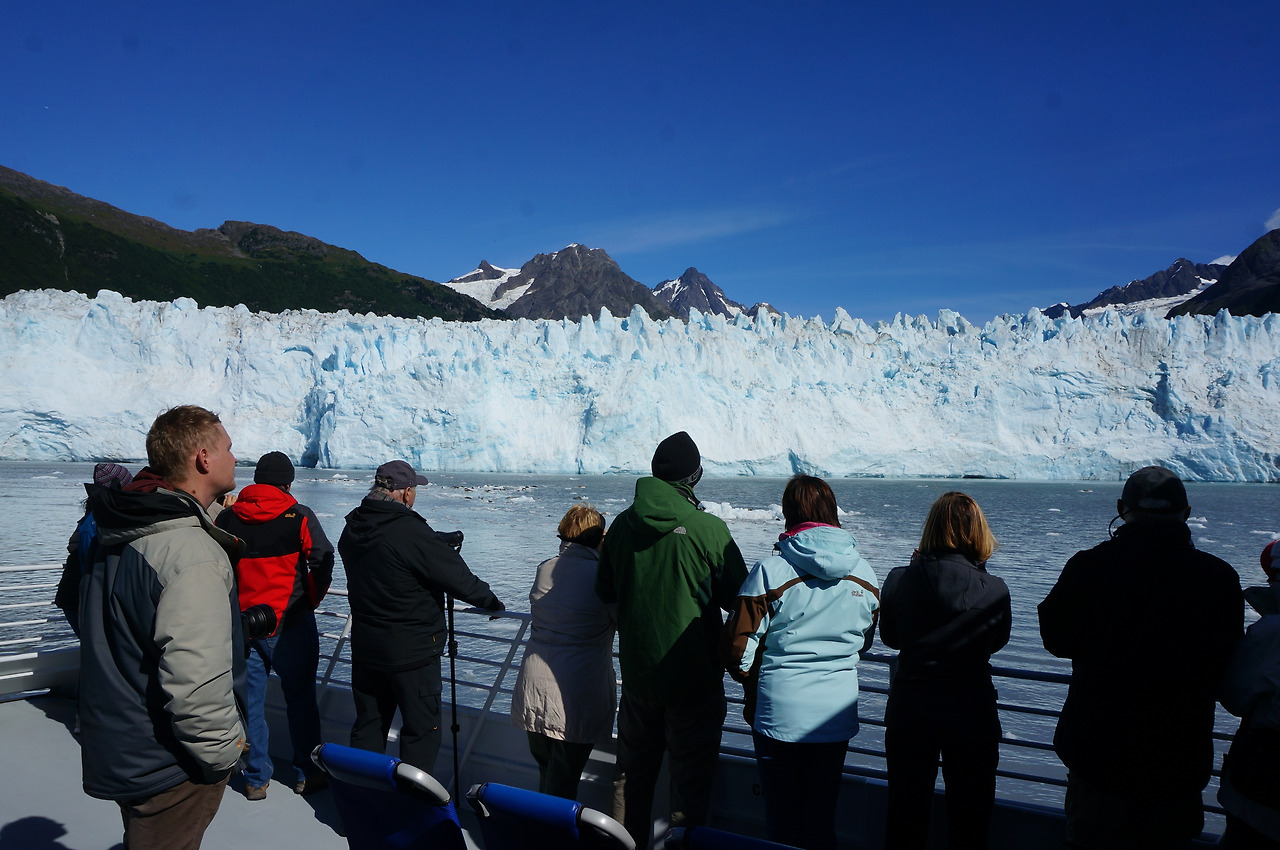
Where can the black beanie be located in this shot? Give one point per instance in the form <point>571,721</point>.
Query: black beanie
<point>677,459</point>
<point>273,468</point>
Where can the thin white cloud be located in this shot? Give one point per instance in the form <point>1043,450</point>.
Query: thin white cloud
<point>1274,221</point>
<point>1224,260</point>
<point>684,228</point>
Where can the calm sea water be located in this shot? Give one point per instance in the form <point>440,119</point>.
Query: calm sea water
<point>510,525</point>
<point>510,520</point>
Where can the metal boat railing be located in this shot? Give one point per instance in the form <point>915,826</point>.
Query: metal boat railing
<point>489,660</point>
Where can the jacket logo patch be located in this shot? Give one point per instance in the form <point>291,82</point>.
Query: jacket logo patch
<point>679,529</point>
<point>857,591</point>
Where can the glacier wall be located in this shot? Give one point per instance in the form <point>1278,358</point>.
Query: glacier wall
<point>1021,397</point>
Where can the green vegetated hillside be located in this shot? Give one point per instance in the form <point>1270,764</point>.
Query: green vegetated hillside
<point>52,238</point>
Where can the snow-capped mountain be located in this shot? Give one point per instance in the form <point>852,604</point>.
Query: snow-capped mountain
<point>693,290</point>
<point>1023,397</point>
<point>571,283</point>
<point>1250,286</point>
<point>1159,292</point>
<point>483,285</point>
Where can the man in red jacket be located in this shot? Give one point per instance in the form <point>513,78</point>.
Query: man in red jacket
<point>288,565</point>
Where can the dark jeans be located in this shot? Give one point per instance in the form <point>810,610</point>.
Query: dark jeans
<point>174,819</point>
<point>560,764</point>
<point>294,655</point>
<point>923,722</point>
<point>690,737</point>
<point>800,782</point>
<point>1146,818</point>
<point>416,693</point>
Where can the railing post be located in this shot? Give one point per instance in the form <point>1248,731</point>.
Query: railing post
<point>337,651</point>
<point>497,684</point>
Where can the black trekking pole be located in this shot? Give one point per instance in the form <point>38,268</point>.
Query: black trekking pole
<point>453,695</point>
<point>452,539</point>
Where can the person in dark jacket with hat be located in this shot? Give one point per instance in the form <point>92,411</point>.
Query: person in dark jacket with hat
<point>1149,623</point>
<point>288,564</point>
<point>671,569</point>
<point>112,476</point>
<point>398,574</point>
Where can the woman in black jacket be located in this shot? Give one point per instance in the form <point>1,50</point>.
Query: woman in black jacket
<point>946,615</point>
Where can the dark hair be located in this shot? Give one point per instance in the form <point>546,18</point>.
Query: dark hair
<point>956,524</point>
<point>809,499</point>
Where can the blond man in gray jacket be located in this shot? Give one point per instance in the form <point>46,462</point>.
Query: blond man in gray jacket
<point>161,650</point>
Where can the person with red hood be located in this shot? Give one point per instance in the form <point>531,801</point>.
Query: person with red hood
<point>288,564</point>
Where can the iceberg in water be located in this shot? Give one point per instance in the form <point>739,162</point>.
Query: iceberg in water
<point>1021,397</point>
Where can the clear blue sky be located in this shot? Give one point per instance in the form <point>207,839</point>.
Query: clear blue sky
<point>882,157</point>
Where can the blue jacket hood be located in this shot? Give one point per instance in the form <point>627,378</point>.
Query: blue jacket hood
<point>822,551</point>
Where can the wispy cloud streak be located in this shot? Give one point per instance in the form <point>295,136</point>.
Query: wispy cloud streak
<point>688,227</point>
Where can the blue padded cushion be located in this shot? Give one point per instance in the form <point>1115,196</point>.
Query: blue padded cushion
<point>358,767</point>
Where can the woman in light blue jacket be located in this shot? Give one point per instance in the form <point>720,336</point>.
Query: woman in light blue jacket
<point>793,639</point>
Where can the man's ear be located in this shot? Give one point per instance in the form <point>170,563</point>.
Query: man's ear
<point>202,460</point>
<point>1120,508</point>
<point>1186,515</point>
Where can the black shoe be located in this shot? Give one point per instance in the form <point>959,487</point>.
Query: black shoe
<point>313,783</point>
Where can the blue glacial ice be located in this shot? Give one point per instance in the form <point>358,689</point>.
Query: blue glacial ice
<point>1020,397</point>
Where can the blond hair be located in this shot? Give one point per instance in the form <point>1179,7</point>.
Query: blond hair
<point>175,437</point>
<point>956,524</point>
<point>582,524</point>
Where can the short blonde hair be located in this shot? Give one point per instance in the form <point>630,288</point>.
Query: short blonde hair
<point>175,436</point>
<point>582,524</point>
<point>956,524</point>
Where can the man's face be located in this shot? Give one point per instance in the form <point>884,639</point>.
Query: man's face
<point>221,463</point>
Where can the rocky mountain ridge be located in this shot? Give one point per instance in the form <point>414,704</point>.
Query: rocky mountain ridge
<point>1182,279</point>
<point>51,237</point>
<point>578,281</point>
<point>1250,285</point>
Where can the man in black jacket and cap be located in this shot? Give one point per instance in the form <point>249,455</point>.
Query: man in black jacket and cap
<point>1148,622</point>
<point>398,573</point>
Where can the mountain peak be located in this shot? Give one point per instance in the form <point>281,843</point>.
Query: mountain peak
<point>1250,286</point>
<point>1176,284</point>
<point>693,290</point>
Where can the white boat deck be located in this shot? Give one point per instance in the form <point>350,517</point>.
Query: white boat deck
<point>43,805</point>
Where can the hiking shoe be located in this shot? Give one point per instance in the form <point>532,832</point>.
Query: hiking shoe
<point>255,792</point>
<point>313,783</point>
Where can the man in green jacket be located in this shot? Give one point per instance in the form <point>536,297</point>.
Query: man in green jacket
<point>670,568</point>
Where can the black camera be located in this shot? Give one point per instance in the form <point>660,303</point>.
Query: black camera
<point>452,539</point>
<point>257,622</point>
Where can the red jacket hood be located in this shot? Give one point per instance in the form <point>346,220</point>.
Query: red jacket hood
<point>262,502</point>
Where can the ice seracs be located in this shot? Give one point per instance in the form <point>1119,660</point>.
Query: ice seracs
<point>1023,397</point>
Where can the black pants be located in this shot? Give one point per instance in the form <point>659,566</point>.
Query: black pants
<point>800,782</point>
<point>1145,817</point>
<point>416,693</point>
<point>560,764</point>
<point>689,735</point>
<point>959,723</point>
